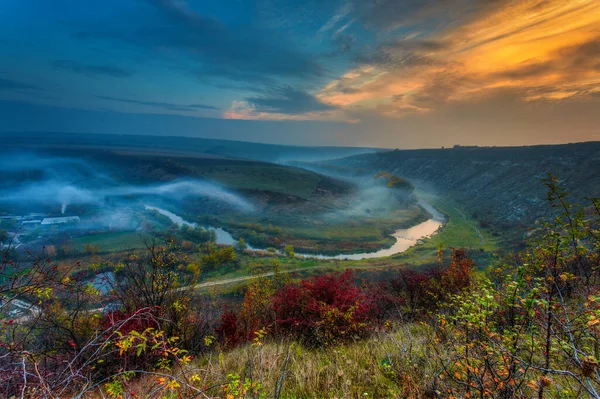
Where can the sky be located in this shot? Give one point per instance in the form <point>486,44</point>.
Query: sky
<point>384,73</point>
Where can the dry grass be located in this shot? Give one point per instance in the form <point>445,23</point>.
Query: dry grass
<point>393,364</point>
<point>397,363</point>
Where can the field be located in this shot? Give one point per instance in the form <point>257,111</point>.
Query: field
<point>259,176</point>
<point>459,231</point>
<point>111,242</point>
<point>459,228</point>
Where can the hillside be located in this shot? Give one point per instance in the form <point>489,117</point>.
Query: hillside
<point>178,145</point>
<point>502,184</point>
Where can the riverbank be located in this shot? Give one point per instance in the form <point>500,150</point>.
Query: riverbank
<point>404,238</point>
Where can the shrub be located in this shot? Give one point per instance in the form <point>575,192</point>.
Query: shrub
<point>228,332</point>
<point>215,256</point>
<point>409,293</point>
<point>187,245</point>
<point>324,309</point>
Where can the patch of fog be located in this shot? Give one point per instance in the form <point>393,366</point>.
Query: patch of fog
<point>185,188</point>
<point>405,238</point>
<point>65,193</point>
<point>369,198</point>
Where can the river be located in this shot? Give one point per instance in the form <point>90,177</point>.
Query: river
<point>223,237</point>
<point>405,238</point>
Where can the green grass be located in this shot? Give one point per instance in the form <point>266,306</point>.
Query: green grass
<point>323,233</point>
<point>111,242</point>
<point>459,231</point>
<point>358,229</point>
<point>282,179</point>
<point>248,265</point>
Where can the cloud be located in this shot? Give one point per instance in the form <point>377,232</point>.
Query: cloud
<point>387,15</point>
<point>164,105</point>
<point>245,110</point>
<point>285,103</point>
<point>201,106</point>
<point>339,15</point>
<point>92,70</point>
<point>236,77</point>
<point>173,29</point>
<point>540,50</point>
<point>6,84</point>
<point>288,100</point>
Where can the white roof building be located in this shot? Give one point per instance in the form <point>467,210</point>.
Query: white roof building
<point>61,220</point>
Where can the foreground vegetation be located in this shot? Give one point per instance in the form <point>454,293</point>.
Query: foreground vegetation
<point>527,325</point>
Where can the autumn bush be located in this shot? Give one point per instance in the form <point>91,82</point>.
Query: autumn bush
<point>318,311</point>
<point>324,310</point>
<point>530,326</point>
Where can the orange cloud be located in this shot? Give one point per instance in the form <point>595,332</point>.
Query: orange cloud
<point>542,49</point>
<point>247,111</point>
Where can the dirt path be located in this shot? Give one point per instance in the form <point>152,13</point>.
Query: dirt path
<point>268,274</point>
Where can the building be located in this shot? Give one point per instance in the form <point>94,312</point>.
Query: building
<point>61,220</point>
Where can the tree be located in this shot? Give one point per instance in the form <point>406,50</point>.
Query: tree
<point>214,256</point>
<point>156,279</point>
<point>531,326</point>
<point>241,245</point>
<point>289,251</point>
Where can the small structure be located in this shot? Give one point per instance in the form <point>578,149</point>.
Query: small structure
<point>61,220</point>
<point>37,221</point>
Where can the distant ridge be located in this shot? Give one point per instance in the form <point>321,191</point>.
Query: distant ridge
<point>238,149</point>
<point>503,184</point>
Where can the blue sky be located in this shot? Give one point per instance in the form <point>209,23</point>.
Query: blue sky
<point>396,73</point>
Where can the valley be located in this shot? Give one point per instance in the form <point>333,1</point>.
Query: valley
<point>294,199</point>
<point>171,231</point>
<point>108,198</point>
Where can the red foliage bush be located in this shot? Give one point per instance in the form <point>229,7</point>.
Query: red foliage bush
<point>415,294</point>
<point>409,293</point>
<point>228,331</point>
<point>329,308</point>
<point>324,309</point>
<point>126,322</point>
<point>457,276</point>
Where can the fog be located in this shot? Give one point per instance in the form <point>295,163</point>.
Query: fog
<point>370,197</point>
<point>53,182</point>
<point>56,192</point>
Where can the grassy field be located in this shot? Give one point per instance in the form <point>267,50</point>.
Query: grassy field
<point>111,242</point>
<point>259,176</point>
<point>323,233</point>
<point>392,364</point>
<point>459,231</point>
<point>359,229</point>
